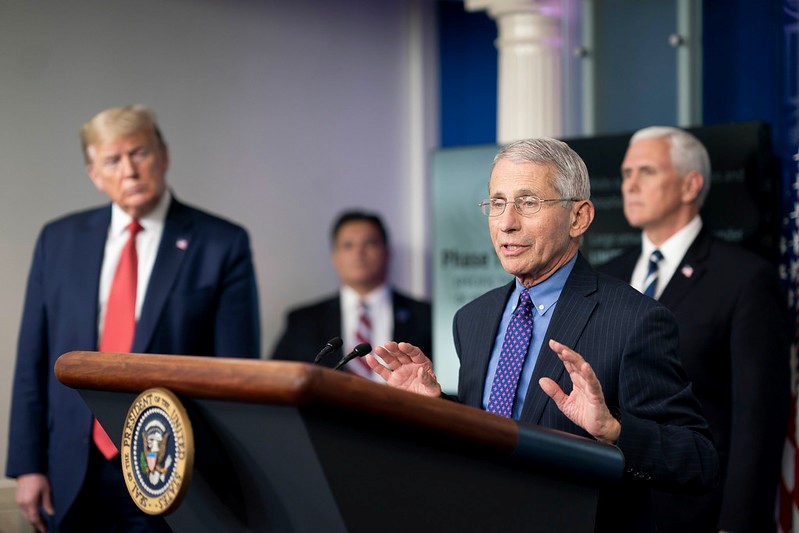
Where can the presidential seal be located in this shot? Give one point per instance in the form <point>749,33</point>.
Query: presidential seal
<point>157,451</point>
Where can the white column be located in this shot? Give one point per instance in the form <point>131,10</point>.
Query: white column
<point>529,85</point>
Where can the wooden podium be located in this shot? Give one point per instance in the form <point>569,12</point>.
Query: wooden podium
<point>283,446</point>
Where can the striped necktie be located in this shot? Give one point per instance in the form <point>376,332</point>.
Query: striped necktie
<point>651,281</point>
<point>363,333</point>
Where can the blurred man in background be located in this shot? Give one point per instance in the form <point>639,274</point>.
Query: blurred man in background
<point>145,273</point>
<point>365,309</point>
<point>734,341</point>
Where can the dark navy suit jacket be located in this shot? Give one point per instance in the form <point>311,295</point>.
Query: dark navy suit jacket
<point>308,328</point>
<point>631,343</point>
<point>201,300</point>
<point>734,345</point>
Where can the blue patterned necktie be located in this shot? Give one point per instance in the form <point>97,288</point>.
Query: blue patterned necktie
<point>651,281</point>
<point>511,359</point>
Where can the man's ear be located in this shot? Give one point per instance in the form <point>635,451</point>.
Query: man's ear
<point>692,184</point>
<point>335,259</point>
<point>582,215</point>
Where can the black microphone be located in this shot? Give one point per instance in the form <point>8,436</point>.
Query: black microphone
<point>333,344</point>
<point>360,350</point>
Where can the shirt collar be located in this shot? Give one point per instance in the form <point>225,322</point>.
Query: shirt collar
<point>377,296</point>
<point>546,293</point>
<point>120,219</point>
<point>675,247</point>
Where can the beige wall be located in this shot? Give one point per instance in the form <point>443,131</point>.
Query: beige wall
<point>11,520</point>
<point>278,114</point>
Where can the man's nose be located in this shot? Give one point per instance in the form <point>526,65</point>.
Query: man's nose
<point>126,166</point>
<point>629,182</point>
<point>509,219</point>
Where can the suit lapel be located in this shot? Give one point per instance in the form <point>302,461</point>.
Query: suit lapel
<point>402,317</point>
<point>88,253</point>
<point>328,319</point>
<point>487,332</point>
<point>691,269</point>
<point>627,265</point>
<point>622,266</point>
<point>476,339</point>
<point>176,242</point>
<point>331,323</point>
<point>573,310</point>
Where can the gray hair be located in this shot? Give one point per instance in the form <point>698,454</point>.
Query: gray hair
<point>570,178</point>
<point>687,153</point>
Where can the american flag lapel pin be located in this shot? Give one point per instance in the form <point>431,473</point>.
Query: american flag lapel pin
<point>687,271</point>
<point>182,244</point>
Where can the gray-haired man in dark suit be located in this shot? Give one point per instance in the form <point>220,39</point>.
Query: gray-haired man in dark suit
<point>602,358</point>
<point>734,345</point>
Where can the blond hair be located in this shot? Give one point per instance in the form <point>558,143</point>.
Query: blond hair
<point>116,122</point>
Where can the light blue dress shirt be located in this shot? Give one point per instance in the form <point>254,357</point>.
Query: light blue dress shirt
<point>545,297</point>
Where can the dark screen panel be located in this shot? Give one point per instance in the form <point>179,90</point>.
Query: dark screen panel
<point>742,207</point>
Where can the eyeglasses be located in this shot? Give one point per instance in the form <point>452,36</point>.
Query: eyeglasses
<point>525,205</point>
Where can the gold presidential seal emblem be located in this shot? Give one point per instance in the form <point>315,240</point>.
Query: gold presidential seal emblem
<point>157,451</point>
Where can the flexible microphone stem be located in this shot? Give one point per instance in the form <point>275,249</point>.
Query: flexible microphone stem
<point>331,346</point>
<point>359,351</point>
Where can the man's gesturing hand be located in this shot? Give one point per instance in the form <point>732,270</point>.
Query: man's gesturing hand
<point>585,406</point>
<point>406,367</point>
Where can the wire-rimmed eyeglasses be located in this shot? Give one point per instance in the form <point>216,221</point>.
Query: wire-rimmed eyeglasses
<point>525,205</point>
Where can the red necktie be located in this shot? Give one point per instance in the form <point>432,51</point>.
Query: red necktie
<point>363,333</point>
<point>120,320</point>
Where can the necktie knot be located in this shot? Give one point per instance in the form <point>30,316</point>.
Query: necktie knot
<point>134,227</point>
<point>651,281</point>
<point>655,258</point>
<point>525,302</point>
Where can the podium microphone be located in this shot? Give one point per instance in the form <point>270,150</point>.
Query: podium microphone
<point>333,344</point>
<point>360,350</point>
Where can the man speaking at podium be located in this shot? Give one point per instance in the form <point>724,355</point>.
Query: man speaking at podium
<point>567,348</point>
<point>146,273</point>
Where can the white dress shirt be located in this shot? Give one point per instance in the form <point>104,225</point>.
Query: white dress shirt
<point>381,313</point>
<point>673,250</point>
<point>147,242</point>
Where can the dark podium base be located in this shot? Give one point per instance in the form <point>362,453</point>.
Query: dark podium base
<point>284,468</point>
<point>289,447</point>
